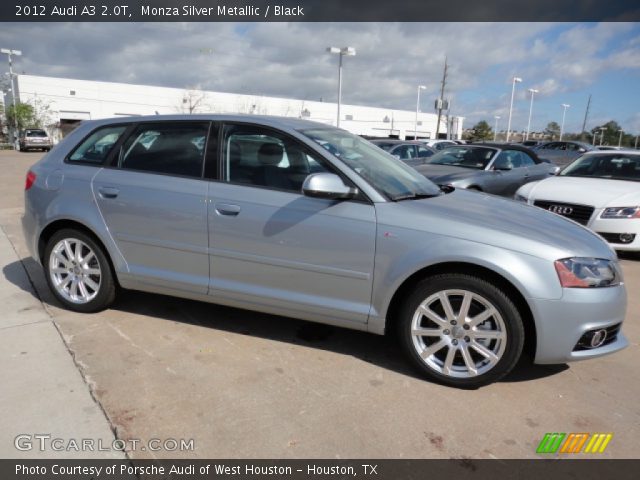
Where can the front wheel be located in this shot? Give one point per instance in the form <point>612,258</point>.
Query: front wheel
<point>461,330</point>
<point>78,272</point>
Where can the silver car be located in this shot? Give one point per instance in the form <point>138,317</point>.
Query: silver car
<point>491,168</point>
<point>294,218</point>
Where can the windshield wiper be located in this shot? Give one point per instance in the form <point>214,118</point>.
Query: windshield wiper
<point>413,196</point>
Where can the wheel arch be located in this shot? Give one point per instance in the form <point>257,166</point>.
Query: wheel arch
<point>468,269</point>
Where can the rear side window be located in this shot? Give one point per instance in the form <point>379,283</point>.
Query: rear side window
<point>174,148</point>
<point>96,148</point>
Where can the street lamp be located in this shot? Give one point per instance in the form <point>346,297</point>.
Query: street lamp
<point>513,91</point>
<point>620,138</point>
<point>415,130</point>
<point>345,51</point>
<point>495,130</point>
<point>9,53</point>
<point>602,129</point>
<point>564,112</point>
<point>532,90</point>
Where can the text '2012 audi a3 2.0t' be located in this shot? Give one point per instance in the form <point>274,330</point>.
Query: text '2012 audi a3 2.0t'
<point>296,218</point>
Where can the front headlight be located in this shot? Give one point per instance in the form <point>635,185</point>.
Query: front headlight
<point>621,212</point>
<point>579,272</point>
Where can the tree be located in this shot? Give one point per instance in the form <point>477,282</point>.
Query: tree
<point>481,131</point>
<point>610,135</point>
<point>22,115</point>
<point>553,130</point>
<point>193,99</point>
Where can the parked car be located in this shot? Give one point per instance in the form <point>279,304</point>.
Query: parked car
<point>562,153</point>
<point>600,190</point>
<point>492,168</point>
<point>410,152</point>
<point>469,281</point>
<point>33,139</point>
<point>438,144</point>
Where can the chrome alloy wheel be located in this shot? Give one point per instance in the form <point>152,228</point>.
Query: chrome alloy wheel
<point>75,270</point>
<point>458,333</point>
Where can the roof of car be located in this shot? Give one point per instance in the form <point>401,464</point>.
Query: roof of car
<point>268,120</point>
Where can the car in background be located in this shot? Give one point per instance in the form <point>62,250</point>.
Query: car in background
<point>296,218</point>
<point>33,139</point>
<point>492,168</point>
<point>438,144</point>
<point>410,152</point>
<point>562,153</point>
<point>600,190</point>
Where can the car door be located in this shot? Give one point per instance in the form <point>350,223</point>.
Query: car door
<point>153,201</point>
<point>274,247</point>
<point>511,173</point>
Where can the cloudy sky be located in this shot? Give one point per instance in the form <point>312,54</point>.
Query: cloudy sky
<point>565,62</point>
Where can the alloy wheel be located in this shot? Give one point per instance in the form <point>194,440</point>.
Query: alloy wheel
<point>75,271</point>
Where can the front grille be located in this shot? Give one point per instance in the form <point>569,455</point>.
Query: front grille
<point>615,237</point>
<point>578,213</point>
<point>584,342</point>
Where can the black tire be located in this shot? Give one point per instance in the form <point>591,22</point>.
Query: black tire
<point>513,328</point>
<point>105,293</point>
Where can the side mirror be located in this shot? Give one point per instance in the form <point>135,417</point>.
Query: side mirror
<point>327,185</point>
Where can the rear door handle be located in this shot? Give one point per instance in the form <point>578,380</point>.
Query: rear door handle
<point>108,192</point>
<point>227,209</point>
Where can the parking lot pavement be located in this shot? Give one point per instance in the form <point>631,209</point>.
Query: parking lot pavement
<point>247,385</point>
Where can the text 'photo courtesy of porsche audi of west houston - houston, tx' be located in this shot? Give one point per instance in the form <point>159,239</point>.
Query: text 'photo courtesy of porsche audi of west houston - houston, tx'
<point>296,218</point>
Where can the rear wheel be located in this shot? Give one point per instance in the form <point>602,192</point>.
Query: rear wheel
<point>78,272</point>
<point>461,330</point>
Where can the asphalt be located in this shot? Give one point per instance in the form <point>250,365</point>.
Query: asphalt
<point>245,385</point>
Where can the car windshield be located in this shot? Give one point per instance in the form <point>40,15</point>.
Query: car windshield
<point>617,166</point>
<point>464,156</point>
<point>385,173</point>
<point>35,133</point>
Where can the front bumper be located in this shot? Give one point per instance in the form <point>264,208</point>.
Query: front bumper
<point>612,228</point>
<point>561,323</point>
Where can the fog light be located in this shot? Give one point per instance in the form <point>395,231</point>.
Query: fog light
<point>598,338</point>
<point>626,237</point>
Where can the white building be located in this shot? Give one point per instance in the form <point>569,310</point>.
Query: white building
<point>70,101</point>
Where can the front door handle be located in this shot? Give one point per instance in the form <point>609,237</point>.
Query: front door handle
<point>108,192</point>
<point>227,209</point>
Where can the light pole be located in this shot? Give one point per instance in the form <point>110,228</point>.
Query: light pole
<point>9,53</point>
<point>344,51</point>
<point>636,146</point>
<point>620,138</point>
<point>513,91</point>
<point>415,130</point>
<point>564,112</point>
<point>602,129</point>
<point>495,130</point>
<point>533,91</point>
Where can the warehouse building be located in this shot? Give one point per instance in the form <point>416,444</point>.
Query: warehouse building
<point>66,102</point>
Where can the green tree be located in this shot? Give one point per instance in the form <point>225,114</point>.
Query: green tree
<point>22,115</point>
<point>553,130</point>
<point>481,131</point>
<point>609,134</point>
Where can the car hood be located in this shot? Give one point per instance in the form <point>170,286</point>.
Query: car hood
<point>445,174</point>
<point>499,222</point>
<point>598,192</point>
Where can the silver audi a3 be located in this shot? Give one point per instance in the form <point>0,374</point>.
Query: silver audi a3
<point>295,218</point>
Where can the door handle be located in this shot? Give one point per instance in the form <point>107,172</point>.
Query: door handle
<point>227,209</point>
<point>108,192</point>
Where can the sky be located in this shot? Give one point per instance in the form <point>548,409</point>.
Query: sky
<point>565,62</point>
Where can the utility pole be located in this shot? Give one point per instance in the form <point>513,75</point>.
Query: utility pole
<point>441,101</point>
<point>584,122</point>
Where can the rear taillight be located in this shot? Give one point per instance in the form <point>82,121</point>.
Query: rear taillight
<point>31,178</point>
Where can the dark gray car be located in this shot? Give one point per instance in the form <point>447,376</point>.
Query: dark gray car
<point>410,152</point>
<point>295,218</point>
<point>562,153</point>
<point>493,168</point>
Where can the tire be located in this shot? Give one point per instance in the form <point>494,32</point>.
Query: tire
<point>84,282</point>
<point>458,352</point>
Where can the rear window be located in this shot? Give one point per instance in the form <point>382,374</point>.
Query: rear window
<point>35,133</point>
<point>97,146</point>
